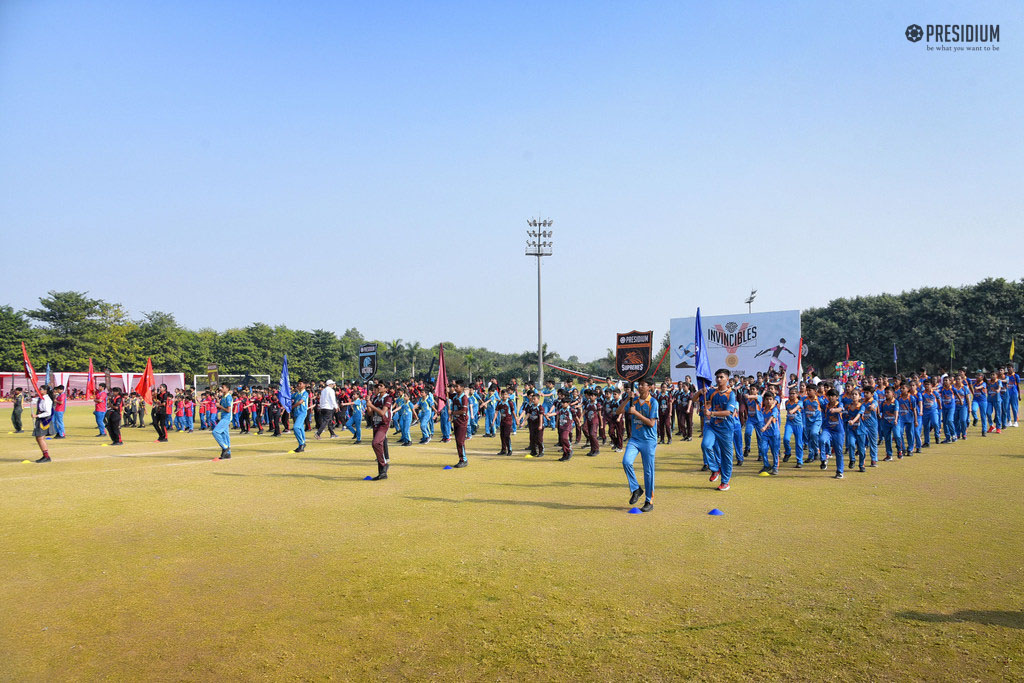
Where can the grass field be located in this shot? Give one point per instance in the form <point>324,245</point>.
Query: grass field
<point>151,561</point>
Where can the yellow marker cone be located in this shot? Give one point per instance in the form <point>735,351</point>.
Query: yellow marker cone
<point>28,461</point>
<point>763,474</point>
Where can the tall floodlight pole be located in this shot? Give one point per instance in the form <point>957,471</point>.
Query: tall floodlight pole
<point>750,299</point>
<point>539,244</point>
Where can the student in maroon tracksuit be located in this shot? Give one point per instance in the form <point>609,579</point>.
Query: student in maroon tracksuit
<point>378,411</point>
<point>506,410</point>
<point>459,412</point>
<point>591,421</point>
<point>533,413</point>
<point>561,410</point>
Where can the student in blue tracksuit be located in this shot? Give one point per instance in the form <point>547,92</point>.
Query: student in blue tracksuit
<point>947,398</point>
<point>355,420</point>
<point>403,406</point>
<point>908,420</point>
<point>737,427</point>
<point>300,408</point>
<point>869,425</point>
<point>547,395</point>
<point>752,400</point>
<point>643,440</point>
<point>794,428</point>
<point>221,433</point>
<point>474,414</point>
<point>768,440</point>
<point>720,409</point>
<point>853,414</point>
<point>930,402</point>
<point>916,389</point>
<point>489,406</point>
<point>889,413</point>
<point>425,416</point>
<point>445,420</point>
<point>813,420</point>
<point>979,402</point>
<point>1004,401</point>
<point>1013,394</point>
<point>961,397</point>
<point>834,430</point>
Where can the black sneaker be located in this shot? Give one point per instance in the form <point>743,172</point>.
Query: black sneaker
<point>824,464</point>
<point>799,466</point>
<point>45,458</point>
<point>648,506</point>
<point>786,457</point>
<point>838,475</point>
<point>635,496</point>
<point>382,475</point>
<point>773,471</point>
<point>861,469</point>
<point>461,463</point>
<point>226,456</point>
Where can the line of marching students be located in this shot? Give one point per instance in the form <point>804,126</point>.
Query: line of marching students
<point>849,421</point>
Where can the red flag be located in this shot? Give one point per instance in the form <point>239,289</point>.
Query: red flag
<point>30,372</point>
<point>90,383</point>
<point>145,386</point>
<point>847,350</point>
<point>441,384</point>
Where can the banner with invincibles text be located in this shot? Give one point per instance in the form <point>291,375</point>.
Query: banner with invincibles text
<point>746,343</point>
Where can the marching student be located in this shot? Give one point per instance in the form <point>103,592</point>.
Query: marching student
<point>768,440</point>
<point>326,407</point>
<point>948,399</point>
<point>869,426</point>
<point>642,411</point>
<point>60,405</point>
<point>533,413</point>
<point>813,420</point>
<point>889,411</point>
<point>41,417</point>
<point>459,411</point>
<point>379,411</point>
<point>355,420</point>
<point>794,427</point>
<point>222,430</point>
<point>979,402</point>
<point>300,411</point>
<point>505,411</point>
<point>930,412</point>
<point>162,405</point>
<point>18,398</point>
<point>424,414</point>
<point>717,441</point>
<point>834,430</point>
<point>112,418</point>
<point>100,409</point>
<point>562,412</point>
<point>907,419</point>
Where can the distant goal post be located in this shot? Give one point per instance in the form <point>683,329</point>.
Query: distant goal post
<point>202,382</point>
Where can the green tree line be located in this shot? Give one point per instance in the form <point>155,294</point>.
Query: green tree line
<point>69,328</point>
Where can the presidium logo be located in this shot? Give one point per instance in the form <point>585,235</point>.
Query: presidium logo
<point>956,37</point>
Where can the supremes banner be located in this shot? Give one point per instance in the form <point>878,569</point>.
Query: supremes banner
<point>746,344</point>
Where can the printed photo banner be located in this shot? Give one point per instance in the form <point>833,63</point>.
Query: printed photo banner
<point>746,343</point>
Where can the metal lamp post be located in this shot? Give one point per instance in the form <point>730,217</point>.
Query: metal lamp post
<point>539,244</point>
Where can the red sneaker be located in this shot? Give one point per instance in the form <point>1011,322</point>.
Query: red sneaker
<point>999,431</point>
<point>713,477</point>
<point>991,429</point>
<point>723,487</point>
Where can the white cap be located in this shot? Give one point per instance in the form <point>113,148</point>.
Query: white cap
<point>330,382</point>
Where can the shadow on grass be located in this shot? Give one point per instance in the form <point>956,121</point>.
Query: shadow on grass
<point>987,617</point>
<point>569,484</point>
<point>551,505</point>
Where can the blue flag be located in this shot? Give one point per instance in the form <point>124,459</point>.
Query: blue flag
<point>284,389</point>
<point>704,376</point>
<point>895,358</point>
<point>49,376</point>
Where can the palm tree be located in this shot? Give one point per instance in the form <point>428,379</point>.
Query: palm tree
<point>394,348</point>
<point>414,348</point>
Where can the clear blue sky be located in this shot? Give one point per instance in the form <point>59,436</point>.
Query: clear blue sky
<point>687,151</point>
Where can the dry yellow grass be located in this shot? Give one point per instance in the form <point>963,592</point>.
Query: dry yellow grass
<point>152,562</point>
